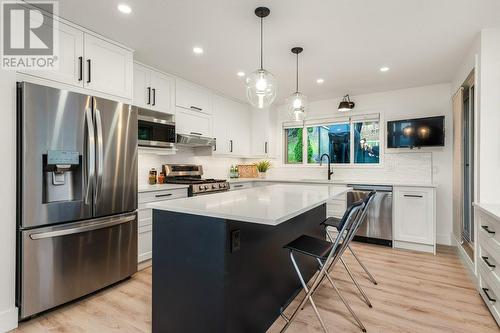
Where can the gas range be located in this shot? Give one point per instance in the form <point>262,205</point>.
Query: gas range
<point>190,174</point>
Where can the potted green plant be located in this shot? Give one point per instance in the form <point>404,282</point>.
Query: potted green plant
<point>262,168</point>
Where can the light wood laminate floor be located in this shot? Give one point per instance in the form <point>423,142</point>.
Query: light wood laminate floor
<point>417,292</point>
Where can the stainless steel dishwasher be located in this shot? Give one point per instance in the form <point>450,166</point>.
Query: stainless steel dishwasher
<point>377,228</point>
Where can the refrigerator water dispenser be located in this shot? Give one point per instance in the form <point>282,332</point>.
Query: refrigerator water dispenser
<point>61,176</point>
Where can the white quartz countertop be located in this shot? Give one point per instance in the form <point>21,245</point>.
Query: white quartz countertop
<point>489,208</point>
<point>269,205</point>
<point>159,187</point>
<point>331,182</point>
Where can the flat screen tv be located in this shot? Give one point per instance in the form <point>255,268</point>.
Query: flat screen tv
<point>416,133</point>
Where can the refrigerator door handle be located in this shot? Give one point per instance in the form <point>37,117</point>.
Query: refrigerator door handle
<point>76,230</point>
<point>90,154</point>
<point>100,153</point>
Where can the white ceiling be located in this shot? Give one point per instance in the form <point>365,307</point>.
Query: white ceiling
<point>345,41</point>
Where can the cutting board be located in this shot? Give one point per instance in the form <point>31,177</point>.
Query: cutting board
<point>248,171</point>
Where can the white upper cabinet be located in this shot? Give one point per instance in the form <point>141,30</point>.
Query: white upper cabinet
<point>263,138</point>
<point>153,90</point>
<point>193,123</point>
<point>108,67</point>
<point>70,60</point>
<point>191,96</point>
<point>231,127</point>
<point>414,215</point>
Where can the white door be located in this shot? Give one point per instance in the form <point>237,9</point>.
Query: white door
<point>192,123</point>
<point>108,67</point>
<point>193,97</point>
<point>222,122</point>
<point>161,90</point>
<point>260,132</point>
<point>70,59</point>
<point>142,86</point>
<point>413,216</point>
<point>239,131</point>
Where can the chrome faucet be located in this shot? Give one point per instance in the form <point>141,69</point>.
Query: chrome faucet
<point>330,172</point>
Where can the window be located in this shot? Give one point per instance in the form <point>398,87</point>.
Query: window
<point>294,145</point>
<point>366,142</point>
<point>347,141</point>
<point>334,140</point>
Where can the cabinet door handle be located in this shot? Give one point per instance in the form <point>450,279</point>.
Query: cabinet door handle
<point>80,68</point>
<point>195,108</point>
<point>215,144</point>
<point>163,195</point>
<point>149,96</point>
<point>154,96</point>
<point>485,259</point>
<point>487,229</point>
<point>230,146</point>
<point>89,69</point>
<point>265,147</point>
<point>485,290</point>
<point>237,186</point>
<point>196,133</point>
<point>413,196</point>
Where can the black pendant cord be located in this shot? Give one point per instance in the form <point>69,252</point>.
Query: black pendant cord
<point>297,76</point>
<point>261,43</point>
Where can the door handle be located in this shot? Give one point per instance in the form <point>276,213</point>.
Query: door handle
<point>413,196</point>
<point>486,228</point>
<point>80,68</point>
<point>163,195</point>
<point>485,290</point>
<point>149,96</point>
<point>90,152</point>
<point>100,153</point>
<point>195,108</point>
<point>485,259</point>
<point>89,70</point>
<point>76,230</point>
<point>230,146</point>
<point>265,147</point>
<point>154,97</point>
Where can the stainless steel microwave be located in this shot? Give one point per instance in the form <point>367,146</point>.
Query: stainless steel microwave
<point>155,129</point>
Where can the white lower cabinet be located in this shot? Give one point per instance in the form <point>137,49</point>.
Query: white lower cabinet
<point>414,218</point>
<point>145,219</point>
<point>488,259</point>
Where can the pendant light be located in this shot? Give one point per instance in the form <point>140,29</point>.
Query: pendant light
<point>297,102</point>
<point>261,85</point>
<point>346,104</point>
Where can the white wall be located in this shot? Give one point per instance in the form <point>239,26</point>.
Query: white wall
<point>213,167</point>
<point>489,116</point>
<point>425,165</point>
<point>8,311</point>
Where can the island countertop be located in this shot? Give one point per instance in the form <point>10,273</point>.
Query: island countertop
<point>270,205</point>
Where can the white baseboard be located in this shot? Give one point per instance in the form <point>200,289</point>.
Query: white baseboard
<point>444,239</point>
<point>8,319</point>
<point>414,246</point>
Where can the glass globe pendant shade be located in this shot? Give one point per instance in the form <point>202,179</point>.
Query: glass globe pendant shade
<point>297,106</point>
<point>261,88</point>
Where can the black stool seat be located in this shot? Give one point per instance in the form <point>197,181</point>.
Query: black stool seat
<point>333,222</point>
<point>310,246</point>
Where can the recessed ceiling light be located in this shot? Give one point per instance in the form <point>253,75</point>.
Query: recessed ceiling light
<point>240,74</point>
<point>384,69</point>
<point>197,50</point>
<point>320,81</point>
<point>124,8</point>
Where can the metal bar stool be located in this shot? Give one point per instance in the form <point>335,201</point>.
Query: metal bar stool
<point>335,223</point>
<point>327,254</point>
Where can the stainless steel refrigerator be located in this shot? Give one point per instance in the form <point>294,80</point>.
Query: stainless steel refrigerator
<point>76,195</point>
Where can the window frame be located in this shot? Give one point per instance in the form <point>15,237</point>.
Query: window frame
<point>351,120</point>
